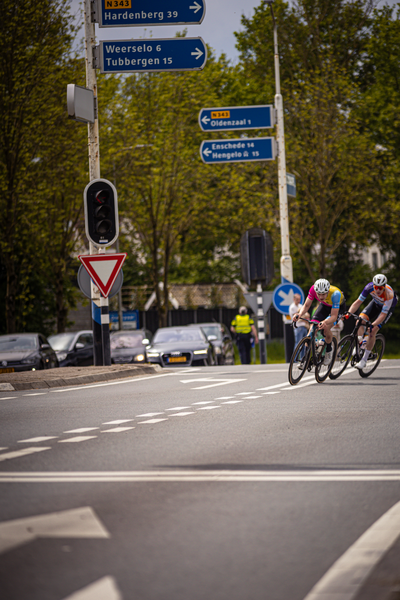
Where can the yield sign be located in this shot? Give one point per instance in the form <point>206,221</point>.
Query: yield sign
<point>103,269</point>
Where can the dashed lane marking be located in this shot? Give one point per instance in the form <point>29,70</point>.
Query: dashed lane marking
<point>232,402</point>
<point>23,452</point>
<point>149,415</point>
<point>151,421</point>
<point>9,398</point>
<point>224,398</point>
<point>81,430</point>
<point>243,393</point>
<point>270,393</point>
<point>40,438</point>
<point>178,408</point>
<point>77,439</point>
<point>118,422</point>
<point>36,394</point>
<point>183,414</point>
<point>203,402</point>
<point>117,430</point>
<point>208,407</point>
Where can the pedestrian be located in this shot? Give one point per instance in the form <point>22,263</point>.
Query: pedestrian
<point>301,330</point>
<point>244,329</point>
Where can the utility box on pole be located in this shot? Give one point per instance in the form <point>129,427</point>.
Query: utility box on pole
<point>257,255</point>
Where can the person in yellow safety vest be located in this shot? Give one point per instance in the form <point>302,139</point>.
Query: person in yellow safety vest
<point>244,328</point>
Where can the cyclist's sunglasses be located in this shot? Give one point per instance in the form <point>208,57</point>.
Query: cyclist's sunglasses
<point>379,287</point>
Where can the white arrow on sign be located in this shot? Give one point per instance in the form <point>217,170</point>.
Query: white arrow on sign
<point>198,53</point>
<point>196,7</point>
<point>205,119</point>
<point>104,589</point>
<point>207,151</point>
<point>287,298</point>
<point>75,523</point>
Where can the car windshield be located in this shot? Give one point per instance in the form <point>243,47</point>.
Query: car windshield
<point>126,341</point>
<point>212,330</point>
<point>178,335</point>
<point>61,341</point>
<point>24,343</point>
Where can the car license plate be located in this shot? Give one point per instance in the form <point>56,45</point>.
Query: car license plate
<point>7,370</point>
<point>177,359</point>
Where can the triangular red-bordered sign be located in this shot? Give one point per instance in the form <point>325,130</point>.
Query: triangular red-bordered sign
<point>103,269</point>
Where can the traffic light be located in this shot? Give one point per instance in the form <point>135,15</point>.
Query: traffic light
<point>257,257</point>
<point>101,212</point>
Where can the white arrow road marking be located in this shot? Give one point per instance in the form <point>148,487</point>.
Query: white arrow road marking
<point>215,384</point>
<point>104,589</point>
<point>345,578</point>
<point>205,119</point>
<point>196,7</point>
<point>287,298</point>
<point>75,523</point>
<point>198,53</point>
<point>207,151</point>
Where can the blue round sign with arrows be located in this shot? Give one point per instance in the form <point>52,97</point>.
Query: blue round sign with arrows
<point>283,296</point>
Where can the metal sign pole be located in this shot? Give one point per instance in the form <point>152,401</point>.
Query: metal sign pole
<point>94,172</point>
<point>261,325</point>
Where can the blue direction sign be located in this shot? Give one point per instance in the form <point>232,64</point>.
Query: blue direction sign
<point>236,117</point>
<point>137,56</point>
<point>283,296</point>
<point>238,150</point>
<point>131,13</point>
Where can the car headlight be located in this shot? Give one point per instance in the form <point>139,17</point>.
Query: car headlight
<point>139,358</point>
<point>217,350</point>
<point>153,354</point>
<point>29,361</point>
<point>61,355</point>
<point>201,351</point>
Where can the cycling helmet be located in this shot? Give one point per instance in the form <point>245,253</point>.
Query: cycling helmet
<point>321,286</point>
<point>379,279</point>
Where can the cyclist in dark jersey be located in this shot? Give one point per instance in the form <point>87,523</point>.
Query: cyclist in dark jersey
<point>378,311</point>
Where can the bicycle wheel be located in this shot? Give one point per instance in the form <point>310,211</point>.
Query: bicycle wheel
<point>321,370</point>
<point>299,363</point>
<point>374,357</point>
<point>345,348</point>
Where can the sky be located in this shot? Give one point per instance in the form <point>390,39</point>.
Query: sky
<point>222,18</point>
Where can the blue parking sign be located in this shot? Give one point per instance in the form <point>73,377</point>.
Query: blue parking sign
<point>283,296</point>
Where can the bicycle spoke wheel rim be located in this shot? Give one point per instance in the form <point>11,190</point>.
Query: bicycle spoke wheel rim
<point>295,374</point>
<point>375,357</point>
<point>343,356</point>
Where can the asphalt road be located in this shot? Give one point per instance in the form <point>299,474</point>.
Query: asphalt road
<point>220,483</point>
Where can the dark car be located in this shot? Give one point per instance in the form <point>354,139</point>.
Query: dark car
<point>218,334</point>
<point>73,349</point>
<point>26,352</point>
<point>129,346</point>
<point>181,347</point>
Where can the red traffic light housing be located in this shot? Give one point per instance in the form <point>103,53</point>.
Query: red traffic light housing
<point>101,212</point>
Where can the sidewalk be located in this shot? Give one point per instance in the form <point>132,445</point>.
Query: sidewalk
<point>71,376</point>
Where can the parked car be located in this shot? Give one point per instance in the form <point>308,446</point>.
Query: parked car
<point>180,346</point>
<point>73,349</point>
<point>219,335</point>
<point>26,352</point>
<point>129,346</point>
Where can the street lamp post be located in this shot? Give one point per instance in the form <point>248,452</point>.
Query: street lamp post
<point>286,259</point>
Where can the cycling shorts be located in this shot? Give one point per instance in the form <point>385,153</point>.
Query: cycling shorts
<point>373,310</point>
<point>324,312</point>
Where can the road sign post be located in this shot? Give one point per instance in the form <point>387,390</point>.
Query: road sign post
<point>143,56</point>
<point>236,117</point>
<point>238,150</point>
<point>137,13</point>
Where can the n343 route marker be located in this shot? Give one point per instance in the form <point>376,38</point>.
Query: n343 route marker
<point>236,117</point>
<point>137,13</point>
<point>238,150</point>
<point>138,56</point>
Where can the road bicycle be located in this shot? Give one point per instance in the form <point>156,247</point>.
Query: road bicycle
<point>310,353</point>
<point>351,350</point>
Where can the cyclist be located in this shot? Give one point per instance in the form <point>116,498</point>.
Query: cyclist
<point>378,311</point>
<point>331,306</point>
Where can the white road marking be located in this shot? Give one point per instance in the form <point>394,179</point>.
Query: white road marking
<point>118,422</point>
<point>23,452</point>
<point>183,414</point>
<point>77,439</point>
<point>244,393</point>
<point>270,393</point>
<point>252,397</point>
<point>36,394</point>
<point>224,398</point>
<point>118,382</point>
<point>149,415</point>
<point>310,476</point>
<point>41,438</point>
<point>208,407</point>
<point>105,588</point>
<point>9,398</point>
<point>81,430</point>
<point>178,408</point>
<point>75,523</point>
<point>216,383</point>
<point>232,402</point>
<point>203,402</point>
<point>5,448</point>
<point>345,578</point>
<point>151,421</point>
<point>117,430</point>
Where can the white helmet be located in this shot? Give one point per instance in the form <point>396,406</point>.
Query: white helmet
<point>379,279</point>
<point>321,286</point>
